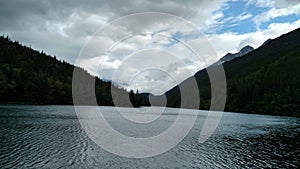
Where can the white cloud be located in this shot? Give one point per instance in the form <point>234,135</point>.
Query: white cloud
<point>276,12</point>
<point>242,17</point>
<point>226,42</point>
<point>151,69</point>
<point>261,3</point>
<point>286,3</point>
<point>218,21</point>
<point>62,28</point>
<point>73,22</point>
<point>232,42</point>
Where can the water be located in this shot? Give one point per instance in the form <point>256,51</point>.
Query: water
<point>51,137</point>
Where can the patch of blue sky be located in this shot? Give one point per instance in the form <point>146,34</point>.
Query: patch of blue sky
<point>234,8</point>
<point>241,27</point>
<point>181,36</point>
<point>178,37</point>
<point>256,10</point>
<point>282,19</point>
<point>233,12</point>
<point>172,42</point>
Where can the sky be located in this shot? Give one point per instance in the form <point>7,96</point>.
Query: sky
<point>157,55</point>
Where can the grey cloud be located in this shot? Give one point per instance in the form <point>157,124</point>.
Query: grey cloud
<point>23,20</point>
<point>61,27</point>
<point>286,3</point>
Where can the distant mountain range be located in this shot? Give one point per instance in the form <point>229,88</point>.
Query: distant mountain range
<point>265,80</point>
<point>228,57</point>
<point>245,50</point>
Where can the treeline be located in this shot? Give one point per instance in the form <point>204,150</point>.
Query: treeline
<point>28,76</point>
<point>265,81</point>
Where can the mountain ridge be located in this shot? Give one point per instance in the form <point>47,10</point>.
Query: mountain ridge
<point>264,81</point>
<point>230,56</point>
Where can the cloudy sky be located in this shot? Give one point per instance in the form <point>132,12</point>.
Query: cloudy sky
<point>150,52</point>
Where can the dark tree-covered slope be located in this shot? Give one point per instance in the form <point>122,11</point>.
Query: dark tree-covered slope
<point>31,77</point>
<point>264,81</point>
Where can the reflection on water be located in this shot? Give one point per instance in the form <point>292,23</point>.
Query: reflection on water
<point>51,137</point>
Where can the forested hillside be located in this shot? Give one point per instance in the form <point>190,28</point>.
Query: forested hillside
<point>265,81</point>
<point>32,77</point>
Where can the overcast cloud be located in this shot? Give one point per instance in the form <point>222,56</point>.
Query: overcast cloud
<point>62,27</point>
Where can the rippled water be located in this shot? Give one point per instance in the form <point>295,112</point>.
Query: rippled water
<point>51,137</point>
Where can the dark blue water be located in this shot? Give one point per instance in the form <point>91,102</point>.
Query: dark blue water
<point>51,137</point>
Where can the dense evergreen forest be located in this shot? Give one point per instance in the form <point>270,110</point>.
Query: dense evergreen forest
<point>264,81</point>
<point>32,77</point>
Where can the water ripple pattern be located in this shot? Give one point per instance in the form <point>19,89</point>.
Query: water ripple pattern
<point>51,137</point>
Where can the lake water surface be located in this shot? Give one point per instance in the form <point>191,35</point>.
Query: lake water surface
<point>52,137</point>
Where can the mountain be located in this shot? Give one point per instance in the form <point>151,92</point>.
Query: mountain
<point>266,42</point>
<point>229,56</point>
<point>264,81</point>
<point>28,76</point>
